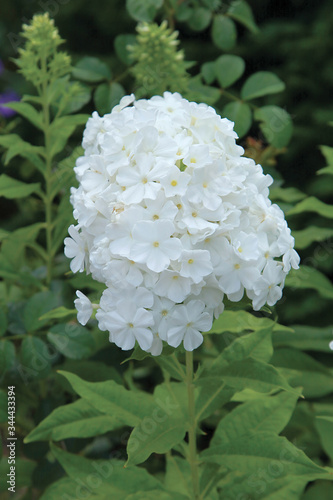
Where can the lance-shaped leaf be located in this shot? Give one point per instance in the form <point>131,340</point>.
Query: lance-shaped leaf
<point>254,451</point>
<point>324,426</point>
<point>305,338</point>
<point>269,414</point>
<point>78,419</point>
<point>310,278</point>
<point>302,370</point>
<point>113,399</point>
<point>211,394</point>
<point>305,237</point>
<point>154,434</point>
<point>107,476</point>
<point>72,340</point>
<point>312,204</point>
<point>28,112</point>
<point>239,321</point>
<point>253,374</point>
<point>11,188</point>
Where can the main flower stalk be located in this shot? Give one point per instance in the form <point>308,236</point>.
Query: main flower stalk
<point>192,456</point>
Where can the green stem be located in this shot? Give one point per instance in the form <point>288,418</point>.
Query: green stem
<point>192,457</point>
<point>47,175</point>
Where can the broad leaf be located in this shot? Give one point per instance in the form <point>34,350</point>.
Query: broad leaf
<point>178,475</point>
<point>107,96</point>
<point>287,194</point>
<point>91,69</point>
<point>143,10</point>
<point>37,305</point>
<point>276,125</point>
<point>224,32</point>
<point>72,340</point>
<point>67,488</point>
<point>78,419</point>
<point>240,321</point>
<point>260,84</point>
<point>11,188</point>
<point>228,69</point>
<point>35,359</point>
<point>208,72</point>
<point>3,322</point>
<point>197,91</point>
<point>200,19</point>
<point>113,399</point>
<point>121,44</point>
<point>269,414</point>
<point>7,356</point>
<point>242,12</point>
<point>240,113</point>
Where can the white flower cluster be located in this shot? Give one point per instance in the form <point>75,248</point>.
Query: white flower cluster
<point>171,217</point>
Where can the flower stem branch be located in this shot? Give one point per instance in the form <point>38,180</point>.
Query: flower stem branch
<point>192,457</point>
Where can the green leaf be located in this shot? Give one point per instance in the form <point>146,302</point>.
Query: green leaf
<point>28,112</point>
<point>11,188</point>
<point>113,399</point>
<point>260,84</point>
<point>311,234</point>
<point>229,69</point>
<point>3,322</point>
<point>66,489</point>
<point>178,475</point>
<point>107,96</point>
<point>310,278</point>
<point>208,72</point>
<point>78,419</point>
<point>253,374</point>
<point>62,128</point>
<point>17,146</point>
<point>3,407</point>
<point>324,426</point>
<point>239,321</point>
<point>37,305</point>
<point>154,436</point>
<point>197,91</point>
<point>92,371</point>
<point>200,19</point>
<point>256,345</point>
<point>58,312</point>
<point>240,113</point>
<point>7,356</point>
<point>121,44</point>
<point>301,370</point>
<point>92,70</point>
<point>171,397</point>
<point>319,489</point>
<point>14,245</point>
<point>254,451</point>
<point>269,414</point>
<point>287,194</point>
<point>242,12</point>
<point>143,10</point>
<point>262,487</point>
<point>114,479</point>
<point>153,494</point>
<point>312,204</point>
<point>35,358</point>
<point>224,32</point>
<point>72,340</point>
<point>305,338</point>
<point>211,395</point>
<point>171,365</point>
<point>276,125</point>
<point>327,151</point>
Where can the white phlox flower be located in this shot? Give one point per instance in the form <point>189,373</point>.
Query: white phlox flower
<point>171,218</point>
